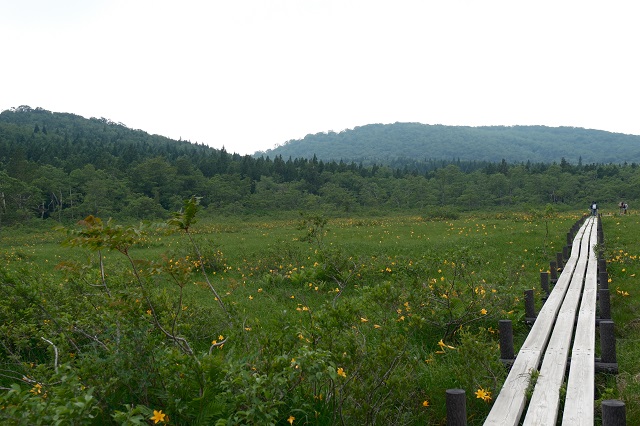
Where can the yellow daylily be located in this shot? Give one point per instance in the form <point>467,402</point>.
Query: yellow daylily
<point>158,416</point>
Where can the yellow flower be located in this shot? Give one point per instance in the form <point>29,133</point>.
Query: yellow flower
<point>444,345</point>
<point>483,395</point>
<point>250,297</point>
<point>363,319</point>
<point>341,372</point>
<point>291,419</point>
<point>483,311</point>
<point>37,389</point>
<point>425,403</point>
<point>158,416</point>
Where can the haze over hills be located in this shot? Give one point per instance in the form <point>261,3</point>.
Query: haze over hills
<point>384,143</point>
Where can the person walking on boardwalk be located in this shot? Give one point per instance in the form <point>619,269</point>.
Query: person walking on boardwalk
<point>594,208</point>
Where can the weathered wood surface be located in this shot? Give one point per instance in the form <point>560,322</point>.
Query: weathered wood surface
<point>579,403</point>
<point>545,401</point>
<point>509,405</point>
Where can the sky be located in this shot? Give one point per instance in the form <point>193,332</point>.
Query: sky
<point>249,75</point>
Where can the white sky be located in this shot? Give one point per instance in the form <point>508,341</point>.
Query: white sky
<point>251,74</point>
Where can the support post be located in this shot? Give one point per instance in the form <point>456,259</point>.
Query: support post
<point>607,363</point>
<point>604,298</point>
<point>456,407</point>
<point>544,283</point>
<point>529,307</point>
<point>553,270</point>
<point>603,278</point>
<point>602,265</point>
<point>559,260</point>
<point>507,354</point>
<point>613,413</point>
<point>607,342</point>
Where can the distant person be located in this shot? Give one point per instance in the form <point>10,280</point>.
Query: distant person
<point>621,207</point>
<point>594,208</point>
<point>625,207</point>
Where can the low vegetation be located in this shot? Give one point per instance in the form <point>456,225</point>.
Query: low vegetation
<point>313,320</point>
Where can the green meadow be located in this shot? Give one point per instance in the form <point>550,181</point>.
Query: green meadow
<point>306,320</point>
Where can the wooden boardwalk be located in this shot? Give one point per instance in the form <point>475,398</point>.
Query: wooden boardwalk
<point>571,305</point>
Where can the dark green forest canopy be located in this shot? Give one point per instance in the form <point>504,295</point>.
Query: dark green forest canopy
<point>382,143</point>
<point>64,167</point>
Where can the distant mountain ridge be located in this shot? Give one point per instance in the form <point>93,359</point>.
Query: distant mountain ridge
<point>384,143</point>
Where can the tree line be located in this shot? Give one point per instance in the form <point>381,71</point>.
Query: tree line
<point>65,167</point>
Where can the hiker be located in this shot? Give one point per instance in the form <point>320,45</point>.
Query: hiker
<point>621,206</point>
<point>625,207</point>
<point>594,208</point>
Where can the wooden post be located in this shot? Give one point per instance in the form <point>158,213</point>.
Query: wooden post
<point>507,354</point>
<point>613,413</point>
<point>559,260</point>
<point>566,252</point>
<point>529,307</point>
<point>607,342</point>
<point>602,265</point>
<point>600,232</point>
<point>570,238</point>
<point>603,278</point>
<point>456,407</point>
<point>605,303</point>
<point>553,270</point>
<point>544,283</point>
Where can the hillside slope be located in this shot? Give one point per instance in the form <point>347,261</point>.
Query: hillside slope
<point>381,143</point>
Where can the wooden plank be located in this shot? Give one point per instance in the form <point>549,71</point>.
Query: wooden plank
<point>545,401</point>
<point>579,403</point>
<point>509,405</point>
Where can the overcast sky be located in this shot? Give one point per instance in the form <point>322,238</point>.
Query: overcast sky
<point>251,74</point>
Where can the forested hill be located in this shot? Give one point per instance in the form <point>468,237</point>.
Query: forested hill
<point>71,141</point>
<point>391,143</point>
<point>63,167</point>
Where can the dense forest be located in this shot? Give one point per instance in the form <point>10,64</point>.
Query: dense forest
<point>404,143</point>
<point>64,167</point>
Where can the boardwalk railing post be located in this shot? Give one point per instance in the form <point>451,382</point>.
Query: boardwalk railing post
<point>456,407</point>
<point>602,265</point>
<point>607,362</point>
<point>603,278</point>
<point>553,270</point>
<point>544,283</point>
<point>607,342</point>
<point>613,413</point>
<point>529,307</point>
<point>605,303</point>
<point>559,260</point>
<point>507,353</point>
